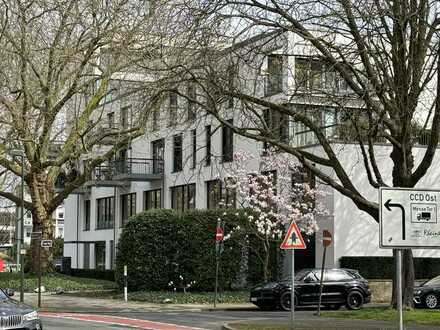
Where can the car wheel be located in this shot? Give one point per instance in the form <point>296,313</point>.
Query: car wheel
<point>355,300</point>
<point>285,299</point>
<point>431,301</point>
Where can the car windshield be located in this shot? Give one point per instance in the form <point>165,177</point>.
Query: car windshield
<point>434,281</point>
<point>301,274</point>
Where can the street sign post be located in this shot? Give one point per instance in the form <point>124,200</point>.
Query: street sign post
<point>293,240</point>
<point>326,242</point>
<point>46,243</point>
<point>408,219</point>
<point>219,237</point>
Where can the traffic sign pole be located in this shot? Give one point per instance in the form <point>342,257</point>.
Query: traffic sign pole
<point>399,288</point>
<point>292,297</point>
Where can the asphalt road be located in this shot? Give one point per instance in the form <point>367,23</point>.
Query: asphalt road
<point>213,320</point>
<point>56,324</point>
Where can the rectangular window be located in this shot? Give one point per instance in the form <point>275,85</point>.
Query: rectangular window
<point>156,116</point>
<point>227,142</point>
<point>183,197</point>
<point>128,207</point>
<point>274,82</point>
<point>173,104</point>
<point>177,153</point>
<point>87,215</point>
<point>193,148</point>
<point>100,255</point>
<point>124,117</point>
<point>112,254</point>
<point>111,119</point>
<point>191,94</point>
<point>232,73</point>
<point>106,217</point>
<point>86,256</point>
<point>208,145</point>
<point>219,195</point>
<point>158,148</point>
<point>277,124</point>
<point>153,199</point>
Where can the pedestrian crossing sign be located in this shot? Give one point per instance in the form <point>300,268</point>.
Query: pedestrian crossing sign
<point>293,238</point>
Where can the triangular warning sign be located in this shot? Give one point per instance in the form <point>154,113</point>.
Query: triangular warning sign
<point>293,238</point>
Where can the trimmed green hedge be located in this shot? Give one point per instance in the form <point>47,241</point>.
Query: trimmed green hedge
<point>160,246</point>
<point>383,267</point>
<point>108,275</point>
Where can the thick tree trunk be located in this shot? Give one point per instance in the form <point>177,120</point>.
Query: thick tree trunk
<point>41,194</point>
<point>403,163</point>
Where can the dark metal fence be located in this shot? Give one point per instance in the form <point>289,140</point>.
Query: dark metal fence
<point>129,166</point>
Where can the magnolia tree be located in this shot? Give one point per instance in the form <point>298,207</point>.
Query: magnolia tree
<point>275,196</point>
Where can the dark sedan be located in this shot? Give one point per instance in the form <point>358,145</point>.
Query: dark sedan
<point>14,315</point>
<point>340,287</point>
<point>428,294</point>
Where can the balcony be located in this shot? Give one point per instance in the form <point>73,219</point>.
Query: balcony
<point>120,172</point>
<point>107,130</point>
<point>340,133</point>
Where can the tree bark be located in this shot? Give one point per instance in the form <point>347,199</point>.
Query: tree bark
<point>41,194</point>
<point>408,277</point>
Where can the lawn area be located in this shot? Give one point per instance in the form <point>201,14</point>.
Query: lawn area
<point>158,297</point>
<point>52,281</point>
<point>419,316</point>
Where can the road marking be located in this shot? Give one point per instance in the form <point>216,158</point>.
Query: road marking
<point>118,320</point>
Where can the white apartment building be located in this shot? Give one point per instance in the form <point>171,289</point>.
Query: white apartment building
<point>178,162</point>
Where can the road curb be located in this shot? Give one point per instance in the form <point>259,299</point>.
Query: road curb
<point>226,326</point>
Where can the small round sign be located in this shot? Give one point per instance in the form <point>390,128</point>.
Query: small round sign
<point>219,234</point>
<point>326,238</point>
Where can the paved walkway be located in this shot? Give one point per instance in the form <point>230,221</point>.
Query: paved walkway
<point>67,303</point>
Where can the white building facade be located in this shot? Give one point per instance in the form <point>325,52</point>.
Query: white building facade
<point>177,162</point>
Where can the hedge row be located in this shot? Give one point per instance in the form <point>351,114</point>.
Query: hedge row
<point>161,247</point>
<point>108,275</point>
<point>383,267</point>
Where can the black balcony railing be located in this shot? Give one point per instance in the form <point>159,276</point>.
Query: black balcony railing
<point>128,167</point>
<point>347,134</point>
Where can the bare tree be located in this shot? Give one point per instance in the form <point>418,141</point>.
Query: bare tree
<point>61,66</point>
<point>375,63</point>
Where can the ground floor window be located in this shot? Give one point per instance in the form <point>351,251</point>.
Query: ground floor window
<point>153,199</point>
<point>183,197</point>
<point>219,195</point>
<point>128,207</point>
<point>86,264</point>
<point>100,255</point>
<point>106,216</point>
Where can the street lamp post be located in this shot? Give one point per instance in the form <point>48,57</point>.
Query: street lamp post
<point>20,241</point>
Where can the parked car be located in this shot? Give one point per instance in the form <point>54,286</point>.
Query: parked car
<point>340,287</point>
<point>15,315</point>
<point>428,294</point>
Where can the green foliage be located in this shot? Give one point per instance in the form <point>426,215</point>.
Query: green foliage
<point>52,281</point>
<point>163,246</point>
<point>383,267</point>
<point>108,275</point>
<point>157,297</point>
<point>57,247</point>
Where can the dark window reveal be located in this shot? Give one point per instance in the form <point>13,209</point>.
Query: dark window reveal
<point>183,197</point>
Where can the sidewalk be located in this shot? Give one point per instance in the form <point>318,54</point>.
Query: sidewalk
<point>66,303</point>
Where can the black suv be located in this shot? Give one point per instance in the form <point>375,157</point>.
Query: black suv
<point>340,287</point>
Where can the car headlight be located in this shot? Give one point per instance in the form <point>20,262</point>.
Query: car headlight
<point>30,316</point>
